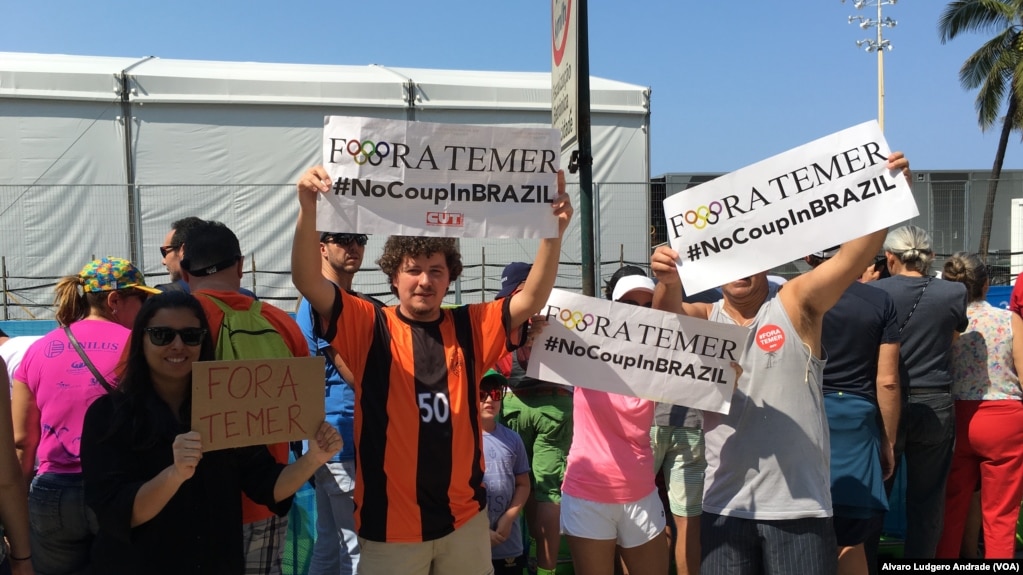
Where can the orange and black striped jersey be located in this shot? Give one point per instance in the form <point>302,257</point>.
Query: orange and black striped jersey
<point>419,466</point>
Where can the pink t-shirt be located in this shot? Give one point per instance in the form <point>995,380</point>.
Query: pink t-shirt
<point>611,460</point>
<point>64,387</point>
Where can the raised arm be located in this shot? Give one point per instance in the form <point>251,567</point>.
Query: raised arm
<point>305,260</point>
<point>540,281</point>
<point>816,291</point>
<point>668,292</point>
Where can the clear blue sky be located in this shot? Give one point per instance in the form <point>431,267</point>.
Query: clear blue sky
<point>733,82</point>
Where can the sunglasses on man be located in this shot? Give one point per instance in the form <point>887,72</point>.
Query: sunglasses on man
<point>164,250</point>
<point>161,336</point>
<point>346,239</point>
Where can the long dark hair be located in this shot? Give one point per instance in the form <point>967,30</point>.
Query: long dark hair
<point>136,399</point>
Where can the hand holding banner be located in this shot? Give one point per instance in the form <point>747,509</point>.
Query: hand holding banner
<point>629,350</point>
<point>778,210</point>
<point>428,179</point>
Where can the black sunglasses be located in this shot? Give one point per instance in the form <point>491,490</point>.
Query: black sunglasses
<point>347,239</point>
<point>164,250</point>
<point>161,336</point>
<point>494,394</point>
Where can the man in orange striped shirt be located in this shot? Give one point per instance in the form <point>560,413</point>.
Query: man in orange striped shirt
<point>416,369</point>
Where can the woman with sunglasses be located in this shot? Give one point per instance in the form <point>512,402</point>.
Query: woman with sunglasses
<point>60,375</point>
<point>163,505</point>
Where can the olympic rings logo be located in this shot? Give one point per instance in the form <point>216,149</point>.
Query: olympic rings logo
<point>703,216</point>
<point>366,150</point>
<point>575,319</point>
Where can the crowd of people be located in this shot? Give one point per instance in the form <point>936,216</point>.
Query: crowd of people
<point>439,455</point>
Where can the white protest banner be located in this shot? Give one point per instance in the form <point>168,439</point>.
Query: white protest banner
<point>810,198</point>
<point>256,401</point>
<point>450,180</point>
<point>637,351</point>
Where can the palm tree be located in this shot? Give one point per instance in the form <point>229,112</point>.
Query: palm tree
<point>997,70</point>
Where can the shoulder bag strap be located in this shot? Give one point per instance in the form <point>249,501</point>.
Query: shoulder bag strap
<point>916,303</point>
<point>88,362</point>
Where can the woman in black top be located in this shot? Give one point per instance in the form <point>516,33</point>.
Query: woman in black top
<point>163,505</point>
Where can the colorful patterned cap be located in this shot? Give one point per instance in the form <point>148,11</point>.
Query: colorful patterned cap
<point>110,274</point>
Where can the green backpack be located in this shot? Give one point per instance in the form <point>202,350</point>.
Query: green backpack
<point>248,335</point>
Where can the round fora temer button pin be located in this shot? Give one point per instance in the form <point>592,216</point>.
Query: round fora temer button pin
<point>770,338</point>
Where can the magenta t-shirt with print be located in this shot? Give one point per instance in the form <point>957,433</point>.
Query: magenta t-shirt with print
<point>64,387</point>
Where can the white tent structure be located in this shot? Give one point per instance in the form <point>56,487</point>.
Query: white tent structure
<point>99,155</point>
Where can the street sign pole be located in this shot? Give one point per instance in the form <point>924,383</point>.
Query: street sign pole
<point>570,113</point>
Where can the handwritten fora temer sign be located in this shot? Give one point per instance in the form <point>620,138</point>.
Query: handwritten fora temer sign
<point>256,401</point>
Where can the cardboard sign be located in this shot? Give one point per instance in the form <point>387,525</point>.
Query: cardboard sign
<point>637,351</point>
<point>808,199</point>
<point>449,180</point>
<point>256,401</point>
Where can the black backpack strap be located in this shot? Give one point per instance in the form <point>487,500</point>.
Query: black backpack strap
<point>88,362</point>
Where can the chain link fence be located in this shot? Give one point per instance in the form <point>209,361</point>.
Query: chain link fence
<point>48,231</point>
<point>71,225</point>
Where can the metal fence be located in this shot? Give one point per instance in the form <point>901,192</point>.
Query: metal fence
<point>952,209</point>
<point>47,231</point>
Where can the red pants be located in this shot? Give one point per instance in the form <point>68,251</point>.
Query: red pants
<point>989,447</point>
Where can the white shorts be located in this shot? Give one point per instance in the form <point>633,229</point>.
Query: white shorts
<point>630,524</point>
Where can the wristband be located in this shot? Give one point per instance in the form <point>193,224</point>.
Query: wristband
<point>25,558</point>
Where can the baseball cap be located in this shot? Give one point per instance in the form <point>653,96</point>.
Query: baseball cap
<point>111,274</point>
<point>211,247</point>
<point>828,253</point>
<point>513,275</point>
<point>629,283</point>
<point>493,378</point>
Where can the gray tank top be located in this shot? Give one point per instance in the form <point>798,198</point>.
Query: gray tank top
<point>769,457</point>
